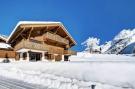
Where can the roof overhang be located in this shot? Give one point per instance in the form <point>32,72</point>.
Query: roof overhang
<point>39,23</point>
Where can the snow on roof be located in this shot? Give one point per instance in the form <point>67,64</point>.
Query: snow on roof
<point>3,37</point>
<point>40,22</point>
<point>4,46</point>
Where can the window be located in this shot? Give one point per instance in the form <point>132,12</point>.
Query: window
<point>24,55</point>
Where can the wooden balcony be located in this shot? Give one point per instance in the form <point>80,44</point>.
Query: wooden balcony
<point>70,52</point>
<point>38,46</point>
<point>56,38</point>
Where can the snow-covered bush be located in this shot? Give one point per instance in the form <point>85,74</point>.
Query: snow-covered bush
<point>92,44</point>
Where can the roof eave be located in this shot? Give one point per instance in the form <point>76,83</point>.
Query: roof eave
<point>68,34</point>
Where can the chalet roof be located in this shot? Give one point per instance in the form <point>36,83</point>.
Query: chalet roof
<point>3,37</point>
<point>40,23</point>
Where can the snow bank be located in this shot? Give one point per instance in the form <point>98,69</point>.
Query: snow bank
<point>73,75</point>
<point>85,56</point>
<point>10,59</point>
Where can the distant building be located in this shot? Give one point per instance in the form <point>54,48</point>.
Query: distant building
<point>5,49</point>
<point>95,50</point>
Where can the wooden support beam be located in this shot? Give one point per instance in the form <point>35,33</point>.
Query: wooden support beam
<point>18,35</point>
<point>46,28</point>
<point>66,37</point>
<point>23,37</point>
<point>30,32</point>
<point>57,30</point>
<point>71,44</point>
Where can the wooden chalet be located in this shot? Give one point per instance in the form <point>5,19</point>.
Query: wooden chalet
<point>6,50</point>
<point>33,41</point>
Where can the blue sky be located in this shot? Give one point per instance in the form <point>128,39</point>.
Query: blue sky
<point>83,18</point>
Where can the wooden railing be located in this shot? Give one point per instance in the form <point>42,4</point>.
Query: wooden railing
<point>44,47</point>
<point>29,45</point>
<point>70,52</point>
<point>38,46</point>
<point>55,37</point>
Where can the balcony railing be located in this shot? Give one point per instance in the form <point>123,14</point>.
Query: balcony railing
<point>56,38</point>
<point>38,46</point>
<point>70,52</point>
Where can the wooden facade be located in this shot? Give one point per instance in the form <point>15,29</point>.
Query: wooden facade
<point>30,44</point>
<point>40,41</point>
<point>8,54</point>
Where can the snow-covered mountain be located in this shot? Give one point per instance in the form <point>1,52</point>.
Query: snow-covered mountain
<point>105,46</point>
<point>122,40</point>
<point>130,49</point>
<point>119,43</point>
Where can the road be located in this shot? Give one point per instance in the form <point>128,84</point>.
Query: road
<point>6,83</point>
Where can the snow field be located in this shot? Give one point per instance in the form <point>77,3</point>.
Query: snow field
<point>84,56</point>
<point>56,82</point>
<point>73,75</point>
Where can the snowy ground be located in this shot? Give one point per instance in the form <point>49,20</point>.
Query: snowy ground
<point>83,56</point>
<point>75,74</point>
<point>6,83</point>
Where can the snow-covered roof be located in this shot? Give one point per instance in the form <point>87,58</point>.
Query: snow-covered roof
<point>3,37</point>
<point>37,22</point>
<point>40,22</point>
<point>4,46</point>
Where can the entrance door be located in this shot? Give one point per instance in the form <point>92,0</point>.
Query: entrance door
<point>38,56</point>
<point>66,58</point>
<point>35,56</point>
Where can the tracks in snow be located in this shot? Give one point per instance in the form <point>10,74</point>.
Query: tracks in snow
<point>6,83</point>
